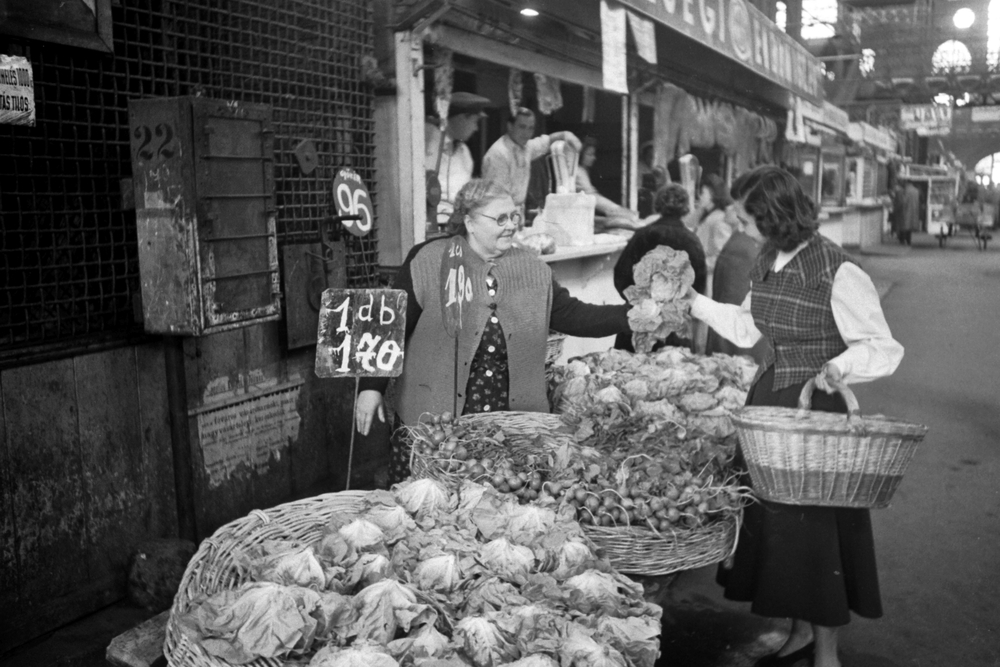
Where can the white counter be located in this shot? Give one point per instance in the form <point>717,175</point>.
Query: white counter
<point>587,271</point>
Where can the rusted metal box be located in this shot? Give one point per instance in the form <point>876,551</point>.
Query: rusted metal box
<point>203,174</point>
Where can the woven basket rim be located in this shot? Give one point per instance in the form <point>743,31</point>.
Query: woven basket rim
<point>787,419</point>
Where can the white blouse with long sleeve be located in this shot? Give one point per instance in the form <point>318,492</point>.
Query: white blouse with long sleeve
<point>871,351</point>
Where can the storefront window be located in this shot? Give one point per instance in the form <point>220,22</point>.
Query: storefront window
<point>832,188</point>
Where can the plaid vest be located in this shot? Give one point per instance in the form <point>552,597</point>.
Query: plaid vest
<point>523,306</point>
<point>791,308</point>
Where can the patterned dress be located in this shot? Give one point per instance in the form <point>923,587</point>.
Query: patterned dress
<point>487,389</point>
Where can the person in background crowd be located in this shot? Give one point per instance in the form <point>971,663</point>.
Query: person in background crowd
<point>821,315</point>
<point>716,224</point>
<point>669,230</point>
<point>497,361</point>
<point>731,282</point>
<point>612,215</point>
<point>447,155</point>
<point>508,161</point>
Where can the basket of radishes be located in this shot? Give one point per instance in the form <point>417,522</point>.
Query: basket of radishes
<point>514,451</point>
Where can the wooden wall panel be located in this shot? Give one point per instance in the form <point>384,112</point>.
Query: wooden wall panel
<point>310,454</point>
<point>116,500</point>
<point>154,425</point>
<point>47,490</point>
<point>10,582</point>
<point>266,369</point>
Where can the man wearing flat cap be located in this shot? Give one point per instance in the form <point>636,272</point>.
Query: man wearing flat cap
<point>449,156</point>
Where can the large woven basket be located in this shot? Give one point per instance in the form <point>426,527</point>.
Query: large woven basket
<point>516,425</point>
<point>805,457</point>
<point>214,567</point>
<point>645,552</point>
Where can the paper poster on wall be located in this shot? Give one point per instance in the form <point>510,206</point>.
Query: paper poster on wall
<point>613,47</point>
<point>17,91</point>
<point>249,433</point>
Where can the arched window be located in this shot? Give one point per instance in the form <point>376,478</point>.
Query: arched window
<point>993,34</point>
<point>951,56</point>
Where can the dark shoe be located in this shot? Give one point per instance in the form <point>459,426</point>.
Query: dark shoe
<point>775,660</point>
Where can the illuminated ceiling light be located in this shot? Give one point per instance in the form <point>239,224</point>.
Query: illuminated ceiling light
<point>964,18</point>
<point>529,11</point>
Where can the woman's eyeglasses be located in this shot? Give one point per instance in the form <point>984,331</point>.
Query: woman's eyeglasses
<point>513,217</point>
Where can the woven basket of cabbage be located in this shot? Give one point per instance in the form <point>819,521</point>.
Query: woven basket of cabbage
<point>638,550</point>
<point>799,456</point>
<point>420,574</point>
<point>479,447</point>
<point>220,564</point>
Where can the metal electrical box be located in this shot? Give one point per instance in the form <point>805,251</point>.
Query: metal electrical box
<point>203,174</point>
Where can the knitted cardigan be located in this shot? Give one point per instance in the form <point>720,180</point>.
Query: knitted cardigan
<point>523,306</point>
<point>791,308</point>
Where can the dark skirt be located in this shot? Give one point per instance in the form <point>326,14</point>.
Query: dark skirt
<point>815,564</point>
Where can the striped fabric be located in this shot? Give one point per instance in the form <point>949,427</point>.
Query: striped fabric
<point>792,309</point>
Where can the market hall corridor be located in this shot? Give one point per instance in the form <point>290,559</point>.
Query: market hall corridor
<point>938,545</point>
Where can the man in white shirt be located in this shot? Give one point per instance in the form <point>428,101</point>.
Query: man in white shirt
<point>508,161</point>
<point>456,165</point>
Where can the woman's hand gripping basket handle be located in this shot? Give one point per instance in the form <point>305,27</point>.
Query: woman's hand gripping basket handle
<point>827,379</point>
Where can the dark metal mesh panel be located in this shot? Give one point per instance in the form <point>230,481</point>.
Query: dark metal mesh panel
<point>68,258</point>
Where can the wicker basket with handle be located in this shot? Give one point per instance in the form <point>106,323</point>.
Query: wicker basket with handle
<point>805,457</point>
<point>214,567</point>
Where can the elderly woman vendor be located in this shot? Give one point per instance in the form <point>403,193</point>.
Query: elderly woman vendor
<point>499,353</point>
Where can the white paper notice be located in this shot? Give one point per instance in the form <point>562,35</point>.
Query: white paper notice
<point>248,433</point>
<point>645,37</point>
<point>17,91</point>
<point>613,46</point>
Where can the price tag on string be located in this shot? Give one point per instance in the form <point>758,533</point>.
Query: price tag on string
<point>456,285</point>
<point>361,333</point>
<point>353,203</point>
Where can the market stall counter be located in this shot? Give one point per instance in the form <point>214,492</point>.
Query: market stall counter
<point>855,225</point>
<point>587,272</point>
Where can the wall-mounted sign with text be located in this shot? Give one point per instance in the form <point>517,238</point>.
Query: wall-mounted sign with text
<point>17,91</point>
<point>361,333</point>
<point>926,119</point>
<point>740,31</point>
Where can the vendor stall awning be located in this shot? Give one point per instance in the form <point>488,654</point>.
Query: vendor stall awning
<point>742,33</point>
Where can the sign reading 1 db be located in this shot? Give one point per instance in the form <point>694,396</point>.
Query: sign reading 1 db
<point>351,197</point>
<point>361,333</point>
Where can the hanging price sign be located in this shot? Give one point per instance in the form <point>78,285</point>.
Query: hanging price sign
<point>351,198</point>
<point>361,333</point>
<point>456,285</point>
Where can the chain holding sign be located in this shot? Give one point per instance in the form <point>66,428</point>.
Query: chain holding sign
<point>17,91</point>
<point>361,334</point>
<point>354,205</point>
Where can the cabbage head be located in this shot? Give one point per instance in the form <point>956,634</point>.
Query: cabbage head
<point>362,654</point>
<point>506,559</point>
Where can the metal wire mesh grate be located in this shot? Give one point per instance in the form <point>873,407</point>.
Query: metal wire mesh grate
<point>68,257</point>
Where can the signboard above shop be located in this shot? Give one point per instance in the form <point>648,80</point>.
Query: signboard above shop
<point>741,32</point>
<point>926,119</point>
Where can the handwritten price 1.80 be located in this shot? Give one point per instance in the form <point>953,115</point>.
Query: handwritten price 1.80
<point>370,346</point>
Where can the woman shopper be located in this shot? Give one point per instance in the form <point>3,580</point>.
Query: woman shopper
<point>669,230</point>
<point>499,360</point>
<point>821,314</point>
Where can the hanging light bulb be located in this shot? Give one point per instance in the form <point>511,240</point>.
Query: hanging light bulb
<point>529,11</point>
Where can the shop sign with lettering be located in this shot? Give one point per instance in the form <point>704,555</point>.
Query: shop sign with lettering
<point>361,333</point>
<point>740,31</point>
<point>17,91</point>
<point>926,119</point>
